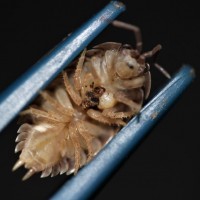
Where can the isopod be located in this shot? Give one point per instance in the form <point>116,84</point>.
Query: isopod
<point>84,107</point>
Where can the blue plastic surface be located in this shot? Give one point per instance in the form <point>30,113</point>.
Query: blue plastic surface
<point>20,93</point>
<point>93,175</point>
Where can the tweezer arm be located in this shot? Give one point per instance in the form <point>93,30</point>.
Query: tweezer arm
<point>18,95</point>
<point>92,176</point>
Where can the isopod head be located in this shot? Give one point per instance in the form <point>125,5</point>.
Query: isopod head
<point>127,66</point>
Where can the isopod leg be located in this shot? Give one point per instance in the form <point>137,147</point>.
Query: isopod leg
<point>88,139</point>
<point>77,75</point>
<point>55,104</point>
<point>77,149</point>
<point>134,107</point>
<point>73,94</point>
<point>98,116</point>
<point>113,113</point>
<point>40,113</point>
<point>133,83</point>
<point>135,29</point>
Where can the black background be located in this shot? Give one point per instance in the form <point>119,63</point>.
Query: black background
<point>166,164</point>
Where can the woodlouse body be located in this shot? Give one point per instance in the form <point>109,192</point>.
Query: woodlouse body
<point>82,110</point>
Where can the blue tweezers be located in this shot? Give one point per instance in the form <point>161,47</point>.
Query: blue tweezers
<point>25,89</point>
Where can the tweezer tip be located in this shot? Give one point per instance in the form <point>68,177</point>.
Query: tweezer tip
<point>118,4</point>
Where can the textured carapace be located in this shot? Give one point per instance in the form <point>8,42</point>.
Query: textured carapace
<point>83,108</point>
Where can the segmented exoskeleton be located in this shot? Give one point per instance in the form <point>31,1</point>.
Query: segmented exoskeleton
<point>82,109</point>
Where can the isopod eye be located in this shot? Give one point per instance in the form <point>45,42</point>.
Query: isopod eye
<point>131,66</point>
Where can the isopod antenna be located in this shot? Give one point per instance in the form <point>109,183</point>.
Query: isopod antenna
<point>91,177</point>
<point>21,92</point>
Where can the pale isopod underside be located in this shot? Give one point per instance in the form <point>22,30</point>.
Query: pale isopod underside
<point>82,109</point>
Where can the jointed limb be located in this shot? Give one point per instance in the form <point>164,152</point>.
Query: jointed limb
<point>73,94</point>
<point>113,113</point>
<point>43,114</point>
<point>154,52</point>
<point>79,68</point>
<point>77,148</point>
<point>87,137</point>
<point>57,106</point>
<point>133,83</point>
<point>149,54</point>
<point>134,107</point>
<point>98,116</point>
<point>162,70</point>
<point>135,29</point>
